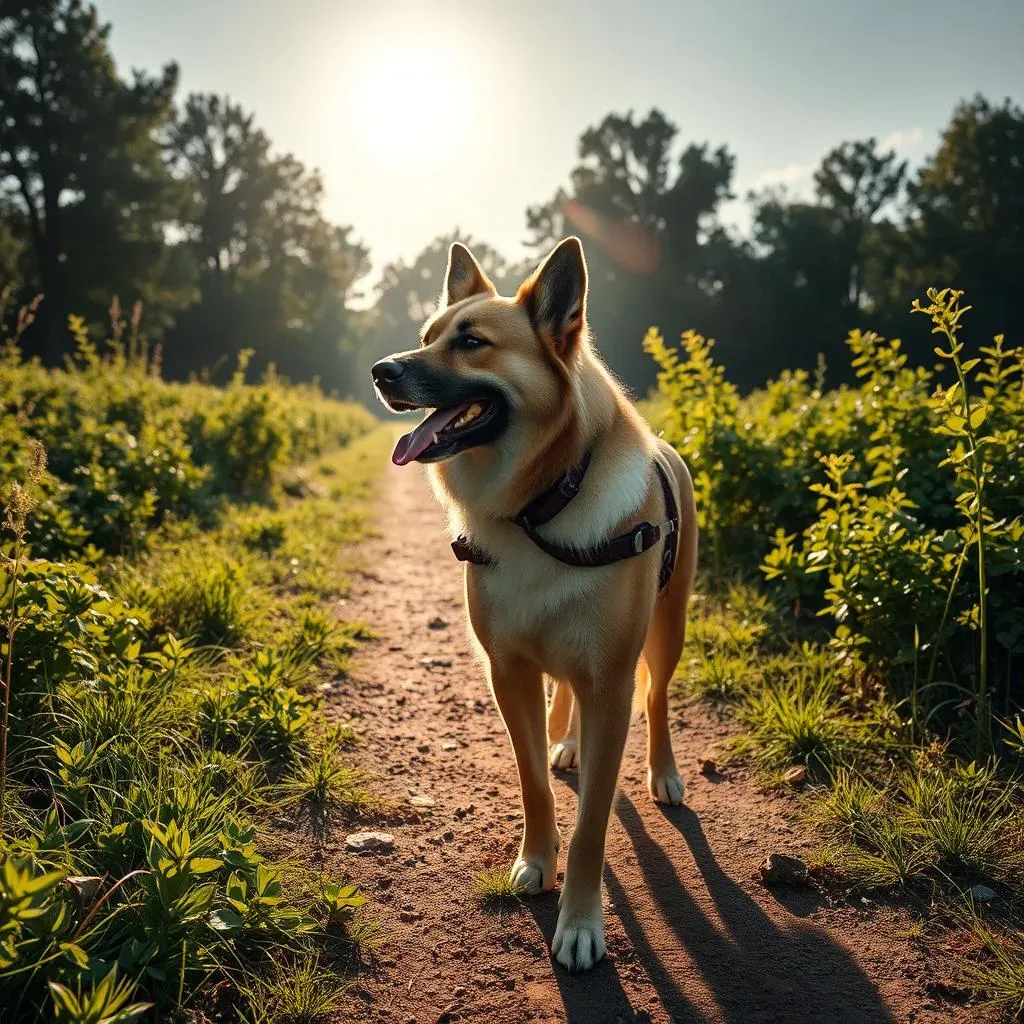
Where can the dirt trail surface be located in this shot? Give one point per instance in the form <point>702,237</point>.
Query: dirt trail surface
<point>692,933</point>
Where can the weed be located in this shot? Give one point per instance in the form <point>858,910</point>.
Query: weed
<point>495,890</point>
<point>998,977</point>
<point>298,992</point>
<point>798,722</point>
<point>207,603</point>
<point>147,724</point>
<point>326,782</point>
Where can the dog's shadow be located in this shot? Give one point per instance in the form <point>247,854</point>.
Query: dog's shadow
<point>726,959</point>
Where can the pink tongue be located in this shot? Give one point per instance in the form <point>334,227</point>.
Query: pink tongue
<point>412,445</point>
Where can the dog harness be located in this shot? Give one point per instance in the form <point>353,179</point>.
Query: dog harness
<point>547,505</point>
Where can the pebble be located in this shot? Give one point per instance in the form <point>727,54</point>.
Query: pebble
<point>781,869</point>
<point>795,776</point>
<point>449,745</point>
<point>438,623</point>
<point>85,888</point>
<point>982,894</point>
<point>421,800</point>
<point>369,842</point>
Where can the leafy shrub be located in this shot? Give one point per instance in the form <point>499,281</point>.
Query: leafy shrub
<point>133,764</point>
<point>127,449</point>
<point>128,860</point>
<point>882,507</point>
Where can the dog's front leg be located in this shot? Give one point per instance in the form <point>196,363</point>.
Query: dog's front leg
<point>604,724</point>
<point>519,692</point>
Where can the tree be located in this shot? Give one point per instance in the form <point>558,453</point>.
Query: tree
<point>650,224</point>
<point>811,270</point>
<point>223,162</point>
<point>271,270</point>
<point>81,164</point>
<point>966,227</point>
<point>856,183</point>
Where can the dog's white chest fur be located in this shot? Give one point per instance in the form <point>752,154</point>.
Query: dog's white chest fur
<point>525,589</point>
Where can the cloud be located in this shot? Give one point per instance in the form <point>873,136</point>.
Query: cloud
<point>796,175</point>
<point>904,139</point>
<point>789,176</point>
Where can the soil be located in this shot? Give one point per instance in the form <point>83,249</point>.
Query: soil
<point>693,935</point>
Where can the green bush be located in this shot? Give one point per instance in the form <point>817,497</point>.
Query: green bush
<point>127,449</point>
<point>143,730</point>
<point>128,861</point>
<point>880,507</point>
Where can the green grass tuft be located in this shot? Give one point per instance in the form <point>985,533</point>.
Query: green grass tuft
<point>301,991</point>
<point>495,890</point>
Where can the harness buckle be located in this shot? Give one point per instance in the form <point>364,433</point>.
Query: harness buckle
<point>645,536</point>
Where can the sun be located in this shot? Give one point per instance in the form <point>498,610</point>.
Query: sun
<point>406,100</point>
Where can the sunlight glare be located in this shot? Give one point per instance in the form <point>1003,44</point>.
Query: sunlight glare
<point>406,100</point>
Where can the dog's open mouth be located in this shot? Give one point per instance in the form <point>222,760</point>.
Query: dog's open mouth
<point>446,432</point>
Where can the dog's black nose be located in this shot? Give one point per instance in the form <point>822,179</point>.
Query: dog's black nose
<point>387,371</point>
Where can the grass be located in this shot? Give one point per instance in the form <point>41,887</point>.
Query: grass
<point>208,602</point>
<point>165,701</point>
<point>893,817</point>
<point>298,992</point>
<point>494,889</point>
<point>999,972</point>
<point>325,782</point>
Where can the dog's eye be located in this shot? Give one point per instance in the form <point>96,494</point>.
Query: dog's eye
<point>469,343</point>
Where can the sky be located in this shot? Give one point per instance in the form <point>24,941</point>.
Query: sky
<point>488,97</point>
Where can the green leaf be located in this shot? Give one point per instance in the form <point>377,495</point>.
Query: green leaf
<point>75,953</point>
<point>203,865</point>
<point>226,921</point>
<point>978,417</point>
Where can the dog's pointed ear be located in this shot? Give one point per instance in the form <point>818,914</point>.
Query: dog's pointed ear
<point>464,276</point>
<point>555,296</point>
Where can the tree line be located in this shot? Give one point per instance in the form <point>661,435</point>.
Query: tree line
<point>113,185</point>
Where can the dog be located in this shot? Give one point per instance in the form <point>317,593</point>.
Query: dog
<point>554,589</point>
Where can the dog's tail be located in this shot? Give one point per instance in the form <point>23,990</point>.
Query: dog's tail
<point>641,684</point>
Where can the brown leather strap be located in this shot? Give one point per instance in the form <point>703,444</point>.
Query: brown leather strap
<point>547,505</point>
<point>668,556</point>
<point>466,551</point>
<point>634,542</point>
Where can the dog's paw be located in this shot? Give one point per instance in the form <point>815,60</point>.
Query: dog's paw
<point>531,876</point>
<point>666,787</point>
<point>563,754</point>
<point>579,939</point>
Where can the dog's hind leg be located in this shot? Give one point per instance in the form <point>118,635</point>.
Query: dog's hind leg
<point>563,727</point>
<point>661,652</point>
<point>662,649</point>
<point>518,689</point>
<point>604,723</point>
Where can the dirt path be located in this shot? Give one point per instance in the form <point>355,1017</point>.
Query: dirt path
<point>692,935</point>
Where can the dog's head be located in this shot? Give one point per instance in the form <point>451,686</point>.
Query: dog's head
<point>497,373</point>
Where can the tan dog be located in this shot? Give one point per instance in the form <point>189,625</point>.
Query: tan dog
<point>521,396</point>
